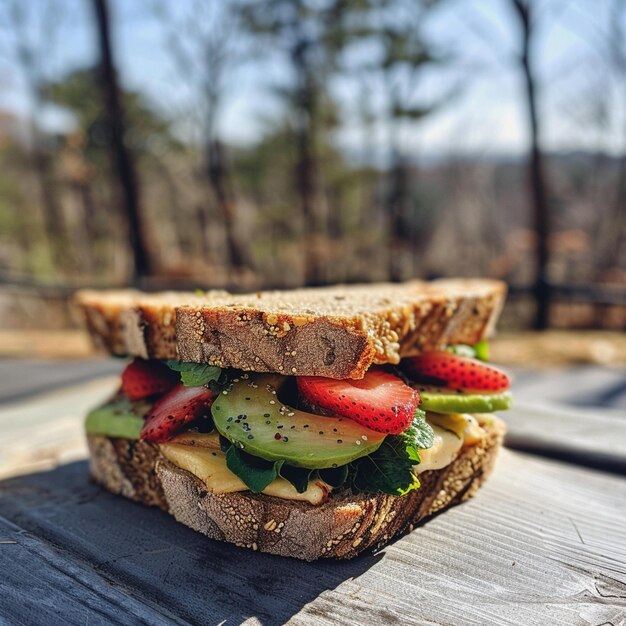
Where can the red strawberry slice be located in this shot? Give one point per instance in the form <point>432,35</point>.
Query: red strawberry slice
<point>143,378</point>
<point>380,401</point>
<point>175,409</point>
<point>457,372</point>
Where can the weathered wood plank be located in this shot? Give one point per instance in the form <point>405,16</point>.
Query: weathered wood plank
<point>593,437</point>
<point>541,543</point>
<point>581,386</point>
<point>42,584</point>
<point>47,430</point>
<point>22,379</point>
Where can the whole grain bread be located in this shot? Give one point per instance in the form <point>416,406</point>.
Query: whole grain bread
<point>343,527</point>
<point>337,332</point>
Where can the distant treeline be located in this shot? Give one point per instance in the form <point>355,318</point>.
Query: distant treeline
<point>126,197</point>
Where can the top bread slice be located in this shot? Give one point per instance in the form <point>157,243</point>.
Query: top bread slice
<point>336,332</point>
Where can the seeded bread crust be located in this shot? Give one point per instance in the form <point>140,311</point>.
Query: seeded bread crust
<point>343,527</point>
<point>336,332</point>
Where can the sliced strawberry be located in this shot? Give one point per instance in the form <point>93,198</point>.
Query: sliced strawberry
<point>143,378</point>
<point>456,372</point>
<point>175,409</point>
<point>380,401</point>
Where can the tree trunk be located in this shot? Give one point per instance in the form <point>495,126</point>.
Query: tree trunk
<point>308,171</point>
<point>54,220</point>
<point>91,233</point>
<point>224,194</point>
<point>537,178</point>
<point>619,214</point>
<point>203,225</point>
<point>305,186</point>
<point>122,160</point>
<point>399,236</point>
<point>611,231</point>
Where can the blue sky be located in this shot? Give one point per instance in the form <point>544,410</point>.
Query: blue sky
<point>487,117</point>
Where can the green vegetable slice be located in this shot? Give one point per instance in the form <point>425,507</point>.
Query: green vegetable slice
<point>118,418</point>
<point>251,416</point>
<point>443,400</point>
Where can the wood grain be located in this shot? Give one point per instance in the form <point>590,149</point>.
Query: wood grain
<point>542,543</point>
<point>593,437</point>
<point>47,429</point>
<point>41,585</point>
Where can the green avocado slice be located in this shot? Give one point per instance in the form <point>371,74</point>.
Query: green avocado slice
<point>251,416</point>
<point>443,400</point>
<point>118,418</point>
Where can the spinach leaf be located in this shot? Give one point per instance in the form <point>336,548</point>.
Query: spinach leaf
<point>257,473</point>
<point>390,468</point>
<point>334,476</point>
<point>419,434</point>
<point>254,472</point>
<point>195,374</point>
<point>297,476</point>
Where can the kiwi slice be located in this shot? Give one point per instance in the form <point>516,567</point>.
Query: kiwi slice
<point>443,400</point>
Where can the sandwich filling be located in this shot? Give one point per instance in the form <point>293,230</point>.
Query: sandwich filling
<point>300,438</point>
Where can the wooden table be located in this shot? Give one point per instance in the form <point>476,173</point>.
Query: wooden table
<point>544,542</point>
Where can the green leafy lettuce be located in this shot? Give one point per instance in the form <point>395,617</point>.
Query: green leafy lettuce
<point>258,473</point>
<point>197,374</point>
<point>388,470</point>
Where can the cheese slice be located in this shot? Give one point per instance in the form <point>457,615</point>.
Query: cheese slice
<point>209,465</point>
<point>445,448</point>
<point>463,425</point>
<point>201,455</point>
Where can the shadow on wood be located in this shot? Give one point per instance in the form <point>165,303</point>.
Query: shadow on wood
<point>542,543</point>
<point>160,567</point>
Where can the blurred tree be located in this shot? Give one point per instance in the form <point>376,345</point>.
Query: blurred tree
<point>309,36</point>
<point>123,162</point>
<point>29,50</point>
<point>406,55</point>
<point>525,12</point>
<point>394,30</point>
<point>202,47</point>
<point>85,153</point>
<point>78,92</point>
<point>616,232</point>
<point>264,176</point>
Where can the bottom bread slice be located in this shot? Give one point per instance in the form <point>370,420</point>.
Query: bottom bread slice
<point>344,526</point>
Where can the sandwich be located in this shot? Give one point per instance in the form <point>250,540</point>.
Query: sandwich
<point>310,423</point>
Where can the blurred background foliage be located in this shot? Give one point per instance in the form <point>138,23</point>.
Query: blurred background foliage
<point>277,143</point>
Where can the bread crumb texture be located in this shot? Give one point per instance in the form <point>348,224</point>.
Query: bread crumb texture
<point>338,332</point>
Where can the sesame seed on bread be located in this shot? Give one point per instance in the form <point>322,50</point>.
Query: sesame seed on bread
<point>337,332</point>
